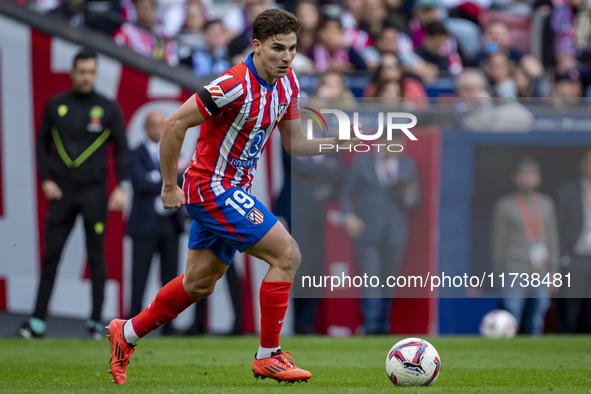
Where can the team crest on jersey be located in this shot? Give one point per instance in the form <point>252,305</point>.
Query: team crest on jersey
<point>96,113</point>
<point>255,216</point>
<point>281,111</point>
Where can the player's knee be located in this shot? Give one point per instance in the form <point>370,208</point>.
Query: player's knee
<point>296,256</point>
<point>290,257</point>
<point>199,291</point>
<point>198,288</point>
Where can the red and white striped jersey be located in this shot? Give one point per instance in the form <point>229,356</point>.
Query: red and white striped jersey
<point>241,111</point>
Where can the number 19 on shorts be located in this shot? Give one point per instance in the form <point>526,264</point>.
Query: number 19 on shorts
<point>240,201</point>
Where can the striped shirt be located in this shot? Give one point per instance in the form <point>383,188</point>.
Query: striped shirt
<point>245,112</point>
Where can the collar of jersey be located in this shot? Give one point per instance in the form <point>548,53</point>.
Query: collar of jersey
<point>252,68</point>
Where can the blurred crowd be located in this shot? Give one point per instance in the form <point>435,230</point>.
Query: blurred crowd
<point>487,48</point>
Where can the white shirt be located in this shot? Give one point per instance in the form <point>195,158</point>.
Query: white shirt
<point>154,151</point>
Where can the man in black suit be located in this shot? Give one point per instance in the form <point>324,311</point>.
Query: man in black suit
<point>151,227</point>
<point>574,223</point>
<point>315,181</point>
<point>387,186</point>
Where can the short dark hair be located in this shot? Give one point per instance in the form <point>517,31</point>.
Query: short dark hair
<point>272,22</point>
<point>327,20</point>
<point>382,86</point>
<point>436,28</point>
<point>211,23</point>
<point>84,54</point>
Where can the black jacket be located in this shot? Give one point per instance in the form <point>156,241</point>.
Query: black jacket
<point>73,138</point>
<point>569,207</point>
<point>143,220</point>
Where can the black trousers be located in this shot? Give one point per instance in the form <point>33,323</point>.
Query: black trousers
<point>90,200</point>
<point>165,241</point>
<point>576,304</point>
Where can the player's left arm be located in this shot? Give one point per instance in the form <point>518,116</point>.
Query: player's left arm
<point>296,142</point>
<point>173,135</point>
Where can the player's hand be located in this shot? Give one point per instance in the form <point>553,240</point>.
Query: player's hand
<point>172,197</point>
<point>51,190</point>
<point>117,199</point>
<point>347,143</point>
<point>354,226</point>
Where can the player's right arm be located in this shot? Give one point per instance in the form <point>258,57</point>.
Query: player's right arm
<point>173,135</point>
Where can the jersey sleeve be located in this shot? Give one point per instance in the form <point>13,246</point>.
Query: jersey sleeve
<point>223,93</point>
<point>293,109</point>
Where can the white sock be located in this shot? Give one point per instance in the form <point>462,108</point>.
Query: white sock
<point>129,334</point>
<point>265,352</point>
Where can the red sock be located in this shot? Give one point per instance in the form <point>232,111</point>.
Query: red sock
<point>171,300</point>
<point>274,298</point>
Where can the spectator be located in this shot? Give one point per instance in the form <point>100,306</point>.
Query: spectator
<point>390,68</point>
<point>572,49</point>
<point>331,85</point>
<point>308,13</point>
<point>567,90</point>
<point>574,221</point>
<point>499,72</point>
<point>389,181</point>
<point>72,11</point>
<point>375,14</point>
<point>472,91</point>
<point>393,41</point>
<point>425,12</point>
<point>435,39</point>
<point>191,36</point>
<point>78,122</point>
<point>524,239</point>
<point>104,16</point>
<point>352,14</point>
<point>238,24</point>
<point>525,84</point>
<point>145,37</point>
<point>213,59</point>
<point>497,38</point>
<point>331,53</point>
<point>390,89</point>
<point>185,16</point>
<point>150,226</point>
<point>396,13</point>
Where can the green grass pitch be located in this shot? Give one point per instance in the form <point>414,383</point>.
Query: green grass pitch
<point>549,364</point>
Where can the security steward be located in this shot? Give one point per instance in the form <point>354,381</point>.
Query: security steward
<point>76,129</point>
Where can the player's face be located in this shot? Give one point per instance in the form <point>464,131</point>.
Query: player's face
<point>83,75</point>
<point>276,54</point>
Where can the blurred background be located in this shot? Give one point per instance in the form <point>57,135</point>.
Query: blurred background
<point>491,81</point>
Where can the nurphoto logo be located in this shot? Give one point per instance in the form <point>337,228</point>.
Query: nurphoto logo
<point>344,122</point>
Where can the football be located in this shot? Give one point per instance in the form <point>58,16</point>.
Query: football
<point>498,323</point>
<point>413,362</point>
